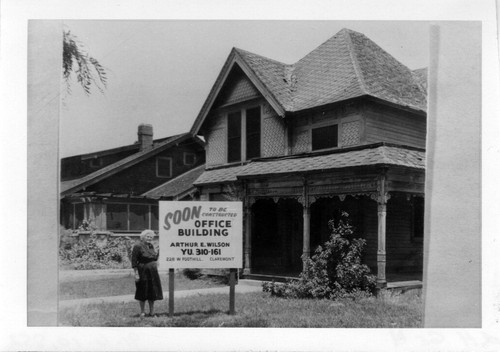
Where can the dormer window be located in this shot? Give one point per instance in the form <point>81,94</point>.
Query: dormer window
<point>163,167</point>
<point>234,137</point>
<point>95,163</point>
<point>243,134</point>
<point>189,158</point>
<point>253,133</point>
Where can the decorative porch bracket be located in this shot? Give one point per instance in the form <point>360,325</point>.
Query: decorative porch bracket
<point>381,197</point>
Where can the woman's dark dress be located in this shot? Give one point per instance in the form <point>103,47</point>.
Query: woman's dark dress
<point>144,257</point>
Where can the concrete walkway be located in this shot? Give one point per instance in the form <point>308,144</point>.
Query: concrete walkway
<point>244,286</point>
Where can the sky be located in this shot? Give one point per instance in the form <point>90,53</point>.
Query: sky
<point>160,72</point>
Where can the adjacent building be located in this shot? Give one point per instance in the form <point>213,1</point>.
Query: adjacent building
<point>118,190</point>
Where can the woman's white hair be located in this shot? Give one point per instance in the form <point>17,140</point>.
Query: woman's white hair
<point>145,233</point>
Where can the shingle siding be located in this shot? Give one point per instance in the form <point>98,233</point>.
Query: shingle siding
<point>273,133</point>
<point>216,143</point>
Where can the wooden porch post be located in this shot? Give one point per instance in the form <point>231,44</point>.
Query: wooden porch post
<point>306,234</point>
<point>248,238</point>
<point>382,197</point>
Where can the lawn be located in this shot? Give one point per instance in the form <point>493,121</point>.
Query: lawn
<point>123,285</point>
<point>258,309</point>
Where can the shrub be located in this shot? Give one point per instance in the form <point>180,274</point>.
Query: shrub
<point>334,271</point>
<point>115,253</point>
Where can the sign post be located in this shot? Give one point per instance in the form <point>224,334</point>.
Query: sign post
<point>171,274</point>
<point>202,235</point>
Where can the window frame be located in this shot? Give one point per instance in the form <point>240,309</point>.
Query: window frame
<point>167,158</point>
<point>128,230</point>
<point>243,136</point>
<point>314,127</point>
<point>186,154</point>
<point>95,163</point>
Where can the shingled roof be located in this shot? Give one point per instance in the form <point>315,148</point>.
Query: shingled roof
<point>68,187</point>
<point>379,154</point>
<point>348,65</point>
<point>177,186</point>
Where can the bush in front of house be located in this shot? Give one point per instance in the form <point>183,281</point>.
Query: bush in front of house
<point>334,271</point>
<point>96,253</point>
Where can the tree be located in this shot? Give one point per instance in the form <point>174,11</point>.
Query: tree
<point>89,72</point>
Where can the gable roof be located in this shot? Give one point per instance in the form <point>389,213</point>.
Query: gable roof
<point>348,65</point>
<point>377,154</point>
<point>68,187</point>
<point>178,186</point>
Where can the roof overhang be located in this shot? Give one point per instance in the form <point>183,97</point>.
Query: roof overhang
<point>234,59</point>
<point>121,165</point>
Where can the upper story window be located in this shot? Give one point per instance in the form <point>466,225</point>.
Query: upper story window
<point>243,134</point>
<point>234,136</point>
<point>163,167</point>
<point>325,137</point>
<point>253,133</point>
<point>95,163</point>
<point>189,158</point>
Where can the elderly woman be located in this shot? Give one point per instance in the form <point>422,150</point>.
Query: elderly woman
<point>147,280</point>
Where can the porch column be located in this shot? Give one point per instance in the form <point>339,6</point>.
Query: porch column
<point>306,247</point>
<point>247,251</point>
<point>381,197</point>
<point>306,214</point>
<point>381,254</point>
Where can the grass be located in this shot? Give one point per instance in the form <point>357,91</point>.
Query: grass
<point>123,285</point>
<point>388,310</point>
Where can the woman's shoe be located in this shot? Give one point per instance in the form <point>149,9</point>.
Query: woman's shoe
<point>142,315</point>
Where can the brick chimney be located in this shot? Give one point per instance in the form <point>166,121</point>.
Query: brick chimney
<point>145,136</point>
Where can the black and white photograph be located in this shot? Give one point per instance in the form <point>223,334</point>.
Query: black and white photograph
<point>313,175</point>
<point>324,147</point>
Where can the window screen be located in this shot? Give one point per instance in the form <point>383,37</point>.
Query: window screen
<point>234,137</point>
<point>79,215</point>
<point>154,217</point>
<point>325,137</point>
<point>253,133</point>
<point>139,217</point>
<point>116,217</point>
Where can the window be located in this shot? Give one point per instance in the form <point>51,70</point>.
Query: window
<point>95,163</point>
<point>163,167</point>
<point>76,217</point>
<point>138,217</point>
<point>325,137</point>
<point>234,137</point>
<point>189,158</point>
<point>244,123</point>
<point>131,217</point>
<point>117,217</point>
<point>253,133</point>
<point>418,218</point>
<point>154,218</point>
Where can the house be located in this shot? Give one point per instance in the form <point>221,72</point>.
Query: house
<point>341,130</point>
<point>118,189</point>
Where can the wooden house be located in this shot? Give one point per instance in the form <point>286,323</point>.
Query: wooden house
<point>341,130</point>
<point>118,189</point>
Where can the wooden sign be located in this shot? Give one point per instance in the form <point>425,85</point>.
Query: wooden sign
<point>201,235</point>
